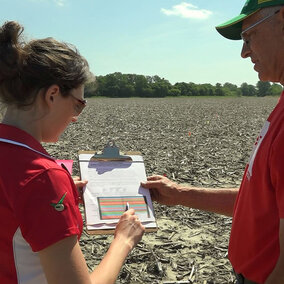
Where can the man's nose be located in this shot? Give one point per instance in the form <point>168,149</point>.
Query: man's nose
<point>245,50</point>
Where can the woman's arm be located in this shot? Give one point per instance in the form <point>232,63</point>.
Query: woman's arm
<point>63,262</point>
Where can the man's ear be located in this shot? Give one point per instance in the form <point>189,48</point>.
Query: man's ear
<point>51,94</point>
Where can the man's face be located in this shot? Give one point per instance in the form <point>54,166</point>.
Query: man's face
<point>263,43</point>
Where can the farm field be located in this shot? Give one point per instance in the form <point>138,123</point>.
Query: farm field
<point>199,141</point>
<point>204,142</point>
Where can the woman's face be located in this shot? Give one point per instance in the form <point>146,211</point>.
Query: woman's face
<point>64,111</point>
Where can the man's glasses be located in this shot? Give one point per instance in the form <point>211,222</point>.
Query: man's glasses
<point>80,105</point>
<point>246,41</point>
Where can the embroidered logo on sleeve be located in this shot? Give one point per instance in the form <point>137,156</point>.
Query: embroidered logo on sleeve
<point>59,206</point>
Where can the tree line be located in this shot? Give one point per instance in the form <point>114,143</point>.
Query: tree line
<point>118,85</point>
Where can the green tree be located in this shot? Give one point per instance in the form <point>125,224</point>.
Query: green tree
<point>275,89</point>
<point>186,89</point>
<point>248,90</point>
<point>219,90</point>
<point>231,90</point>
<point>129,85</point>
<point>160,89</point>
<point>140,85</point>
<point>263,88</point>
<point>174,92</point>
<point>205,90</point>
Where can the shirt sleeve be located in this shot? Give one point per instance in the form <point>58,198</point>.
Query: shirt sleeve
<point>277,171</point>
<point>47,209</point>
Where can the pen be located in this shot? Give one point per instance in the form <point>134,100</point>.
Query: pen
<point>127,206</point>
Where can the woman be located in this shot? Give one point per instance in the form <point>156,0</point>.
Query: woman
<point>42,85</point>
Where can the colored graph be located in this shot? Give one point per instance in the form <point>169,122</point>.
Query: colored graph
<point>114,207</point>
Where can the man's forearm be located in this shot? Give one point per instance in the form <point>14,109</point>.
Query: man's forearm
<point>217,200</point>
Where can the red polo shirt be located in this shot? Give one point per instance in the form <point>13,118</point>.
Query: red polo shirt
<point>254,244</point>
<point>38,206</point>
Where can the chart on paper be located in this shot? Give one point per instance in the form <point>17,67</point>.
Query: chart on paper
<point>113,207</point>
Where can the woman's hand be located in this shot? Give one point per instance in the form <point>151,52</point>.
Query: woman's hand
<point>79,184</point>
<point>129,229</point>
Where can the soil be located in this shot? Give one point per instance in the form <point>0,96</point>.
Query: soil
<point>204,142</point>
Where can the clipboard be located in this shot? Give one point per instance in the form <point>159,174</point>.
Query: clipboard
<point>114,181</point>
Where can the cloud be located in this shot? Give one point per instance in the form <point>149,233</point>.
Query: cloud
<point>187,10</point>
<point>60,3</point>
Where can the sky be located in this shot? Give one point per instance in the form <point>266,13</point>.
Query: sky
<point>173,39</point>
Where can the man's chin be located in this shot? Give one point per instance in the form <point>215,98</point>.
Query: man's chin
<point>265,76</point>
<point>262,77</point>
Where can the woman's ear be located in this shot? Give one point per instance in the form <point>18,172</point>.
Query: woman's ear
<point>51,94</point>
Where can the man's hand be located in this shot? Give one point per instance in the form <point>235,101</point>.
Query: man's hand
<point>163,190</point>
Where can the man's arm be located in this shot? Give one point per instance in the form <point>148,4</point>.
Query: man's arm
<point>217,200</point>
<point>277,275</point>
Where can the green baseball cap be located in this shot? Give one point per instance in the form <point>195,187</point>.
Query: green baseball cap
<point>232,29</point>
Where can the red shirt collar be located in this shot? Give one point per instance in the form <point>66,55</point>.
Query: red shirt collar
<point>18,135</point>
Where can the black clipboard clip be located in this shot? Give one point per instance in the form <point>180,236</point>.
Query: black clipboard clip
<point>110,153</point>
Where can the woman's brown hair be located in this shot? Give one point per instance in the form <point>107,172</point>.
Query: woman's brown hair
<point>28,67</point>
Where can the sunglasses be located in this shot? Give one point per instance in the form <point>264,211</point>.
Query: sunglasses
<point>80,105</point>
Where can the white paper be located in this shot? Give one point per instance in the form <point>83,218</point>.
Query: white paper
<point>109,180</point>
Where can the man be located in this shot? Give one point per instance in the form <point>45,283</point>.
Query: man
<point>256,248</point>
